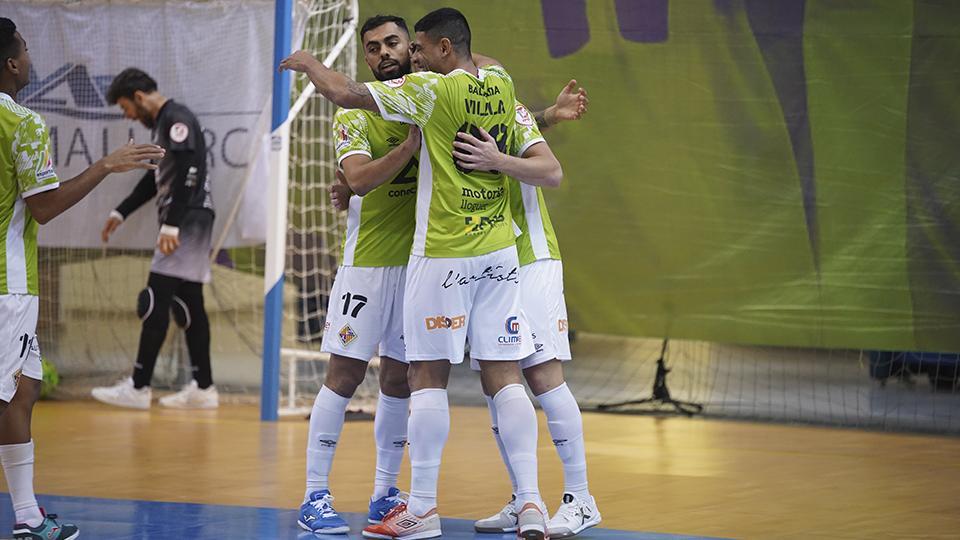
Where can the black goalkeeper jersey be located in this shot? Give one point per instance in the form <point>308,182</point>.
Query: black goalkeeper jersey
<point>180,182</point>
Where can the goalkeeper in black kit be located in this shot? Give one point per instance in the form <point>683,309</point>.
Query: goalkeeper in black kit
<point>181,260</point>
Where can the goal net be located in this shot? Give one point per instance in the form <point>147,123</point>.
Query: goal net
<point>217,58</point>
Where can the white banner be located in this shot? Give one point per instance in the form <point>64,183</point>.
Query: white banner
<point>214,57</point>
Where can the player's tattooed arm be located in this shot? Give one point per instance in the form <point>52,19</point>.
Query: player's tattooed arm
<point>335,86</point>
<point>571,104</point>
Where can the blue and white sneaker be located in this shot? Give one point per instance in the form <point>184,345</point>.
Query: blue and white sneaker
<point>385,504</point>
<point>318,516</point>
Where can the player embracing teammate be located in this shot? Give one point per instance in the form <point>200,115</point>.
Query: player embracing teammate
<point>463,276</point>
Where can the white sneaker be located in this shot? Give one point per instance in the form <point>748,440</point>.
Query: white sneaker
<point>502,522</point>
<point>574,516</point>
<point>123,394</point>
<point>530,523</point>
<point>192,397</point>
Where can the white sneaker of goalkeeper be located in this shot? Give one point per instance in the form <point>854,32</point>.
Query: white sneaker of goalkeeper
<point>192,397</point>
<point>123,394</point>
<point>575,515</point>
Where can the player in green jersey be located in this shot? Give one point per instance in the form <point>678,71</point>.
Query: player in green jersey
<point>31,194</point>
<point>365,311</point>
<point>541,281</point>
<point>462,276</point>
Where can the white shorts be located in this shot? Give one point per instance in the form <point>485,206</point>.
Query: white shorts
<point>365,313</point>
<point>541,292</point>
<point>19,349</point>
<point>449,300</point>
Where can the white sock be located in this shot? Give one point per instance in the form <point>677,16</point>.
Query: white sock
<point>390,432</point>
<point>428,431</point>
<point>326,423</point>
<point>517,421</point>
<point>566,430</point>
<point>496,435</point>
<point>17,460</point>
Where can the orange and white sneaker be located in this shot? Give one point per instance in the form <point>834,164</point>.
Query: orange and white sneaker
<point>399,523</point>
<point>531,524</point>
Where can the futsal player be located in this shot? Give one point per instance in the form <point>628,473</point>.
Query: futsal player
<point>462,275</point>
<point>541,283</point>
<point>181,259</point>
<point>31,194</point>
<point>365,311</point>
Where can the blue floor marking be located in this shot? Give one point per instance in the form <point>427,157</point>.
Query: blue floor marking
<point>119,519</point>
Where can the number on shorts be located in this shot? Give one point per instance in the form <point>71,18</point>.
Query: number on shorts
<point>24,343</point>
<point>360,302</point>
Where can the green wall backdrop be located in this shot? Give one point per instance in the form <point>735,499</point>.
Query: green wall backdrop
<point>780,173</point>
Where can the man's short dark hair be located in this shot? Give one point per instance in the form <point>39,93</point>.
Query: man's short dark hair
<point>447,23</point>
<point>127,83</point>
<point>9,44</point>
<point>379,20</point>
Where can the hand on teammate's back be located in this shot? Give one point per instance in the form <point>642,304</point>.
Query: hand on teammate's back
<point>477,154</point>
<point>340,192</point>
<point>570,105</point>
<point>133,156</point>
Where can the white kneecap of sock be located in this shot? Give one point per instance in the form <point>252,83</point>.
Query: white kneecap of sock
<point>566,429</point>
<point>428,431</point>
<point>17,461</point>
<point>390,433</point>
<point>326,423</point>
<point>491,406</point>
<point>517,423</point>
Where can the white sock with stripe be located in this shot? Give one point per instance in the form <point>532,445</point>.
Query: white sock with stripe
<point>428,431</point>
<point>326,423</point>
<point>566,430</point>
<point>390,432</point>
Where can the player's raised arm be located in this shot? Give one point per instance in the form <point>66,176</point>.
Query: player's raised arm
<point>337,87</point>
<point>50,204</point>
<point>571,104</point>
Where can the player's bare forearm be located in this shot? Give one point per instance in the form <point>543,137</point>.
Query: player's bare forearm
<point>50,204</point>
<point>342,90</point>
<point>537,167</point>
<point>364,175</point>
<point>333,85</point>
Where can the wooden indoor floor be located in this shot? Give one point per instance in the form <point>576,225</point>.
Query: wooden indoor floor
<point>665,475</point>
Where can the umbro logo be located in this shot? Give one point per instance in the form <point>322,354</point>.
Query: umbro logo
<point>399,444</point>
<point>407,523</point>
<point>310,518</point>
<point>327,443</point>
<point>559,442</point>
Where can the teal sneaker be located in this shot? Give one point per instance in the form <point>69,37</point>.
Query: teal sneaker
<point>48,530</point>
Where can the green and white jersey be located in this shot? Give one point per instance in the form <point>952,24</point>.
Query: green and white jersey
<point>459,213</point>
<point>27,170</point>
<point>379,224</point>
<point>537,239</point>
